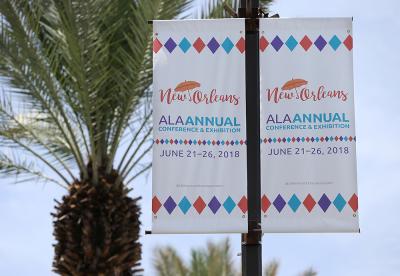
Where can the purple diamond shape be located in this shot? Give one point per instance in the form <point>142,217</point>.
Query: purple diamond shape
<point>170,45</point>
<point>169,204</point>
<point>324,202</point>
<point>279,203</point>
<point>214,204</point>
<point>320,43</point>
<point>277,43</point>
<point>213,45</point>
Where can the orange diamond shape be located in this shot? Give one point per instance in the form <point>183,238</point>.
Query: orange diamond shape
<point>155,205</point>
<point>306,43</point>
<point>243,204</point>
<point>241,45</point>
<point>353,202</point>
<point>309,203</point>
<point>199,205</point>
<point>265,203</point>
<point>263,43</point>
<point>348,42</point>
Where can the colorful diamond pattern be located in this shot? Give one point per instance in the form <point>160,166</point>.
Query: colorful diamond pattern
<point>228,44</point>
<point>306,139</point>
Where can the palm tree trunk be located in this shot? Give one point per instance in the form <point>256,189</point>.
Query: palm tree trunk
<point>96,228</point>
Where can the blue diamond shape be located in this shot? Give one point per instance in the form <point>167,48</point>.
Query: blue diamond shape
<point>184,45</point>
<point>169,205</point>
<point>213,45</point>
<point>170,45</point>
<point>227,45</point>
<point>320,43</point>
<point>294,203</point>
<point>335,42</point>
<point>184,205</point>
<point>229,204</point>
<point>291,43</point>
<point>339,202</point>
<point>277,43</point>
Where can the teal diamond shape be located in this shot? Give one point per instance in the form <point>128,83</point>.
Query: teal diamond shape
<point>291,43</point>
<point>229,205</point>
<point>335,42</point>
<point>184,205</point>
<point>227,45</point>
<point>184,45</point>
<point>294,203</point>
<point>339,202</point>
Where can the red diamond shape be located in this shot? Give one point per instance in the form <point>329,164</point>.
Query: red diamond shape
<point>306,43</point>
<point>308,139</point>
<point>263,43</point>
<point>265,203</point>
<point>199,205</point>
<point>185,142</point>
<point>157,141</point>
<point>156,45</point>
<point>199,142</point>
<point>265,140</point>
<point>241,45</point>
<point>279,140</point>
<point>293,139</point>
<point>309,202</point>
<point>213,142</point>
<point>348,42</point>
<point>241,142</point>
<point>336,138</point>
<point>243,204</point>
<point>199,45</point>
<point>155,205</point>
<point>350,138</point>
<point>353,202</point>
<point>322,139</point>
<point>171,141</point>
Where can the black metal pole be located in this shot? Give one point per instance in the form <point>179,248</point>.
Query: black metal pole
<point>251,242</point>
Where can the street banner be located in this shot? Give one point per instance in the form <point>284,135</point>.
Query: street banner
<point>308,141</point>
<point>199,152</point>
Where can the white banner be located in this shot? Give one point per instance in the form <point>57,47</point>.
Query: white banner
<point>199,152</point>
<point>308,151</point>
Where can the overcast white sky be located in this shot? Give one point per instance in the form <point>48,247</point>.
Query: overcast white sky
<point>25,222</point>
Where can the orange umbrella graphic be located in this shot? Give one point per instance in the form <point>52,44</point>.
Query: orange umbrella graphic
<point>186,85</point>
<point>294,83</point>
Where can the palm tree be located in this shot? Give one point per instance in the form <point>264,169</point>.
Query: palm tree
<point>74,74</point>
<point>74,77</point>
<point>215,260</point>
